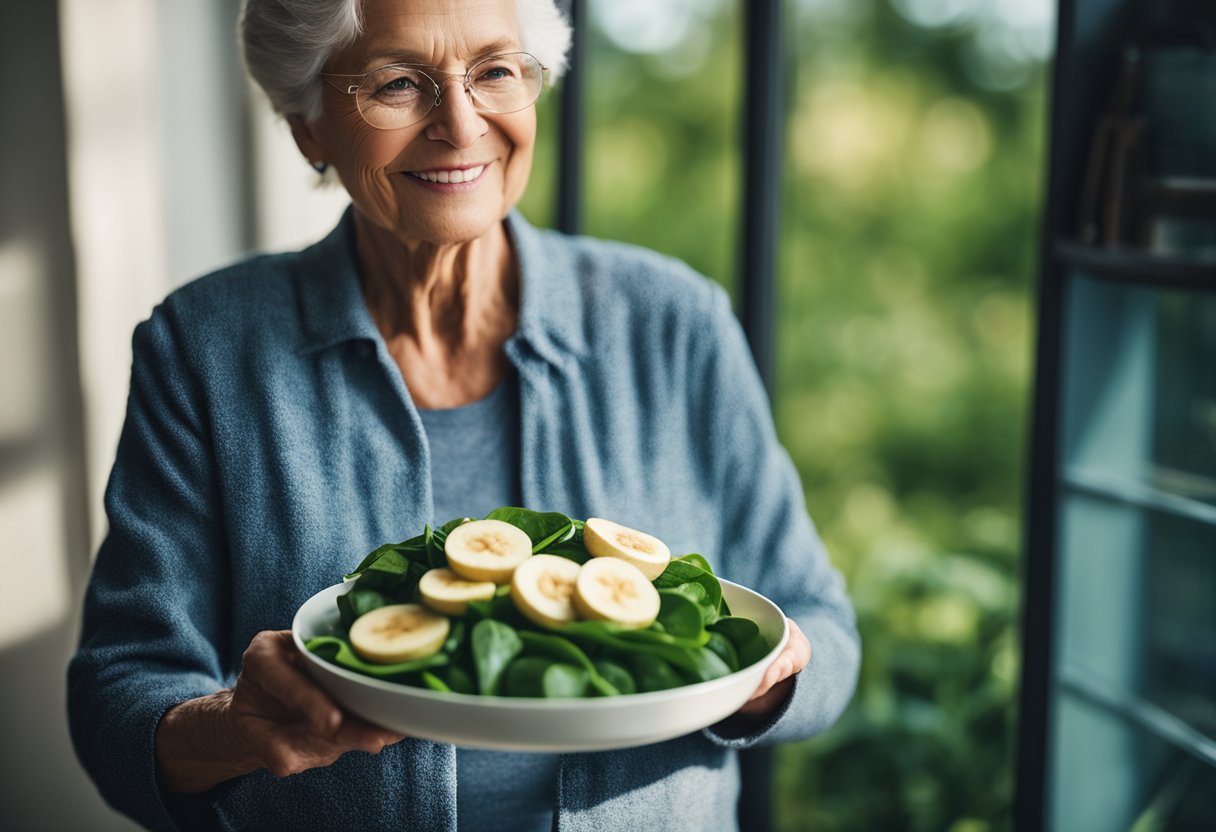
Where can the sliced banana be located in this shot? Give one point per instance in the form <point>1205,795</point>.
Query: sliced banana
<point>605,539</point>
<point>487,550</point>
<point>398,633</point>
<point>542,588</point>
<point>613,589</point>
<point>444,591</point>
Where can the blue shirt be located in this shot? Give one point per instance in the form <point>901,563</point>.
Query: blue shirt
<point>474,470</point>
<point>270,442</point>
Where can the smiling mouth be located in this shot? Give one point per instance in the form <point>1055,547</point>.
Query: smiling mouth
<point>448,177</point>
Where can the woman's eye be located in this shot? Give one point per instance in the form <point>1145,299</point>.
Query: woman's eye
<point>396,85</point>
<point>496,73</point>
<point>399,85</point>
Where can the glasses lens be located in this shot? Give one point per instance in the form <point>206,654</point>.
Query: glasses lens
<point>506,83</point>
<point>395,96</point>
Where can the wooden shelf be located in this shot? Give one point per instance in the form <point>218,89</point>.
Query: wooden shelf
<point>1134,266</point>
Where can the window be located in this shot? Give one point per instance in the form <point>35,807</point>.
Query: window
<point>1118,717</point>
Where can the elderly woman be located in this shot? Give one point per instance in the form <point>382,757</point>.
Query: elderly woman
<point>434,356</point>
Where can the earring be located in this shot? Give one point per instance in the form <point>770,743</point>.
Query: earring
<point>319,167</point>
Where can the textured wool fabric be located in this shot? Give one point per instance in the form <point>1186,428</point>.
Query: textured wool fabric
<point>474,470</point>
<point>270,442</point>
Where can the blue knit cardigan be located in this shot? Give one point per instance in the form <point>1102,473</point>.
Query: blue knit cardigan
<point>270,442</point>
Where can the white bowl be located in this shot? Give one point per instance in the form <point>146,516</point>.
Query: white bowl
<point>517,724</point>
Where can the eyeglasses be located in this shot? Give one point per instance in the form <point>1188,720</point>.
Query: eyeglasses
<point>400,95</point>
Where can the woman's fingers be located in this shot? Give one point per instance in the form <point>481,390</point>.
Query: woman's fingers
<point>789,662</point>
<point>356,733</point>
<point>290,750</point>
<point>291,724</point>
<point>270,665</point>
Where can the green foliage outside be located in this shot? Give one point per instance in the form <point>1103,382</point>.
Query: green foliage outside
<point>914,177</point>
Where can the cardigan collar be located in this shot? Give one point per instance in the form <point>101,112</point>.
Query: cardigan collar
<point>550,317</point>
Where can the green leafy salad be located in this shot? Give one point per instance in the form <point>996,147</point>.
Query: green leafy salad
<point>536,604</point>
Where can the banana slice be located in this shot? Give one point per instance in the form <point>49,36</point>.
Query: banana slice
<point>487,550</point>
<point>542,588</point>
<point>605,539</point>
<point>444,591</point>
<point>398,633</point>
<point>613,589</point>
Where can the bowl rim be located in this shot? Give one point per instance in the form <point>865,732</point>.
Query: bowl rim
<point>521,703</point>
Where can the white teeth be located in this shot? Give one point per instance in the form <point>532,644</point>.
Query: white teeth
<point>450,177</point>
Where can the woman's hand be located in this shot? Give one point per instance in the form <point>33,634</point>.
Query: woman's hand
<point>779,677</point>
<point>275,717</point>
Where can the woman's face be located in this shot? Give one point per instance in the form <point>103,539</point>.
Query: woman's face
<point>379,167</point>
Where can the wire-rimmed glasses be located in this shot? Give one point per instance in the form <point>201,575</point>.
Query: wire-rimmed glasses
<point>400,95</point>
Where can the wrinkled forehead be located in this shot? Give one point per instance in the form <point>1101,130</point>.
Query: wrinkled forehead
<point>439,33</point>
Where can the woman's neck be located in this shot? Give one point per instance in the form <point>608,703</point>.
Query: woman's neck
<point>453,293</point>
<point>443,310</point>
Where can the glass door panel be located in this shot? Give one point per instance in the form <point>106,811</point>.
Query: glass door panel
<point>1139,411</point>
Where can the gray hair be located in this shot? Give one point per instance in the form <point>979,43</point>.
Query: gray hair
<point>285,43</point>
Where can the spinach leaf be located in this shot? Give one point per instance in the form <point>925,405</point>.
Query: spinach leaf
<point>696,560</point>
<point>459,680</point>
<point>616,675</point>
<point>570,550</point>
<point>437,538</point>
<point>699,663</point>
<point>455,636</point>
<point>564,650</point>
<point>616,636</point>
<point>680,615</point>
<point>721,645</point>
<point>446,529</point>
<point>696,593</point>
<point>680,572</point>
<point>556,539</point>
<point>525,676</point>
<point>494,645</point>
<point>499,608</point>
<point>413,549</point>
<point>449,679</point>
<point>539,526</point>
<point>372,557</point>
<point>555,647</point>
<point>433,682</point>
<point>704,664</point>
<point>434,551</point>
<point>745,635</point>
<point>339,651</point>
<point>397,587</point>
<point>570,547</point>
<point>652,673</point>
<point>394,574</point>
<point>564,681</point>
<point>542,677</point>
<point>358,601</point>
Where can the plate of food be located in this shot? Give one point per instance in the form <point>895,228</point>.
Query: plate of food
<point>533,631</point>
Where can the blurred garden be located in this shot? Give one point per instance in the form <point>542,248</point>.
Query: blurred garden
<point>913,156</point>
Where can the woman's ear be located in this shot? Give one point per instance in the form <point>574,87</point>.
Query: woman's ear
<point>307,142</point>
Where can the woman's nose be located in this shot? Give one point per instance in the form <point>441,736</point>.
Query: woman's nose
<point>456,119</point>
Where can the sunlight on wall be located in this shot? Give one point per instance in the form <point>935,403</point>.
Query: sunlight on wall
<point>33,557</point>
<point>34,595</point>
<point>294,208</point>
<point>23,367</point>
<point>116,207</point>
